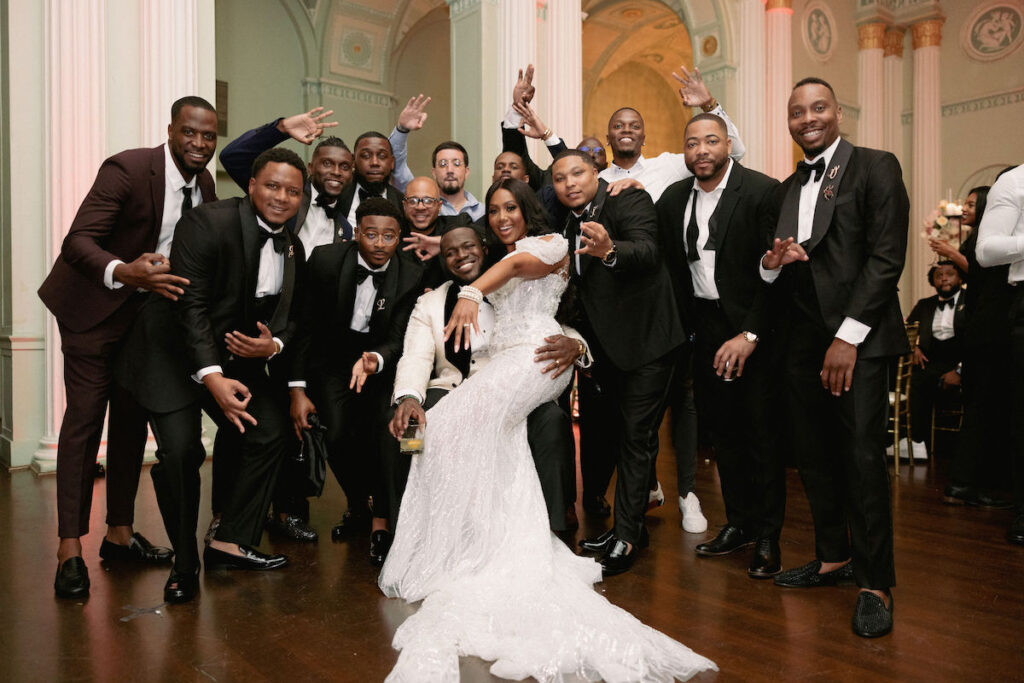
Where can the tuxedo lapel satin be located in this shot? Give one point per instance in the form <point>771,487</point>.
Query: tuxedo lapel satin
<point>284,304</point>
<point>250,254</point>
<point>383,300</point>
<point>460,359</point>
<point>346,288</point>
<point>718,224</point>
<point>300,217</point>
<point>825,206</point>
<point>789,213</point>
<point>348,193</point>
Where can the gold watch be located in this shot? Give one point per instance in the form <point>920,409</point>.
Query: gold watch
<point>750,337</point>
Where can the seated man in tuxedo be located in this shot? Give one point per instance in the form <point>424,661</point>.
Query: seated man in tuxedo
<point>350,330</point>
<point>217,350</point>
<point>939,349</point>
<point>430,367</point>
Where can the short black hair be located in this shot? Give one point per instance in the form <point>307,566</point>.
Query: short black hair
<point>814,80</point>
<point>278,155</point>
<point>714,118</point>
<point>190,101</point>
<point>378,206</point>
<point>370,134</point>
<point>331,141</point>
<point>625,109</point>
<point>935,268</point>
<point>572,152</point>
<point>449,144</point>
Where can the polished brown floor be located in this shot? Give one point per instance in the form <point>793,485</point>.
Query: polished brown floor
<point>959,602</point>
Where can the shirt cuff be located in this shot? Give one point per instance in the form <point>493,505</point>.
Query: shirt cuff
<point>853,332</point>
<point>280,348</point>
<point>380,361</point>
<point>297,383</point>
<point>611,264</point>
<point>407,392</point>
<point>396,132</point>
<point>552,141</point>
<point>208,370</point>
<point>513,119</point>
<point>108,275</point>
<point>769,276</point>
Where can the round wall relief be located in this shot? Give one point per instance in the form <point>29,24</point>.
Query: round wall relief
<point>993,30</point>
<point>818,28</point>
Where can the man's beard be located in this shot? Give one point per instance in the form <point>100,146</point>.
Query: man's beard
<point>450,187</point>
<point>374,188</point>
<point>627,154</point>
<point>714,170</point>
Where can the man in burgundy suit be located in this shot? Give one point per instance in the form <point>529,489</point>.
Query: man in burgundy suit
<point>117,247</point>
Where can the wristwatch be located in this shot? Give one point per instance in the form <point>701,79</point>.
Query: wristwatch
<point>750,337</point>
<point>609,258</point>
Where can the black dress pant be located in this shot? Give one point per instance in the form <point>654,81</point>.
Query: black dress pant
<point>987,430</point>
<point>1017,380</point>
<point>599,434</point>
<point>926,390</point>
<point>840,444</point>
<point>89,388</point>
<point>247,472</point>
<point>548,431</point>
<point>750,469</point>
<point>683,407</point>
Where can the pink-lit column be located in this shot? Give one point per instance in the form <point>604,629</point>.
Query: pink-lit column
<point>169,30</point>
<point>779,84</point>
<point>892,101</point>
<point>870,89</point>
<point>560,86</point>
<point>749,111</point>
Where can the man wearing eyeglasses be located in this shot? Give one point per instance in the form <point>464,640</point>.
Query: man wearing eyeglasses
<point>422,204</point>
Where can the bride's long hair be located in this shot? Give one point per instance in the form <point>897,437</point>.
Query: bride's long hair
<point>537,223</point>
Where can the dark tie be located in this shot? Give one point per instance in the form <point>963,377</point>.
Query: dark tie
<point>186,203</point>
<point>364,195</point>
<point>376,275</point>
<point>803,170</point>
<point>279,239</point>
<point>330,206</point>
<point>945,303</point>
<point>692,232</point>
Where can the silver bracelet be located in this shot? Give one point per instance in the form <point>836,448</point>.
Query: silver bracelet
<point>472,293</point>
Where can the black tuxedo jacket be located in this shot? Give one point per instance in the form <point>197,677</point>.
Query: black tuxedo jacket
<point>857,247</point>
<point>216,246</point>
<point>629,307</point>
<point>923,314</point>
<point>741,227</point>
<point>349,192</point>
<point>327,312</point>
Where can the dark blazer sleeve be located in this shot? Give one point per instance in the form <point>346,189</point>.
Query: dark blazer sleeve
<point>915,312</point>
<point>635,231</point>
<point>391,349</point>
<point>886,214</point>
<point>514,141</point>
<point>238,155</point>
<point>758,316</point>
<point>194,255</point>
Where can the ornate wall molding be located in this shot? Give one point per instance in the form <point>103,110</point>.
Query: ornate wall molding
<point>348,93</point>
<point>818,30</point>
<point>994,30</point>
<point>927,33</point>
<point>992,101</point>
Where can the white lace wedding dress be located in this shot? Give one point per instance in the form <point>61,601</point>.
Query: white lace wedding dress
<point>473,543</point>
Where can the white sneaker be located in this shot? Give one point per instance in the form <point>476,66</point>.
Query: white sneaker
<point>694,520</point>
<point>655,498</point>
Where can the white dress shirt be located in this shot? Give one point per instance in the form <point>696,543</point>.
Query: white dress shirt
<point>356,201</point>
<point>174,195</point>
<point>658,173</point>
<point>1001,234</point>
<point>317,229</point>
<point>702,271</point>
<point>850,331</point>
<point>942,322</point>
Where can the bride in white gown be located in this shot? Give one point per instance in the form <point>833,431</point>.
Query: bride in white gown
<point>472,540</point>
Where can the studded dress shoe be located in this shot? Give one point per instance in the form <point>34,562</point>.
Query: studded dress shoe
<point>767,560</point>
<point>808,576</point>
<point>597,506</point>
<point>380,544</point>
<point>181,586</point>
<point>604,542</point>
<point>137,550</point>
<point>871,618</point>
<point>211,530</point>
<point>655,498</point>
<point>1015,534</point>
<point>351,524</point>
<point>968,495</point>
<point>72,579</point>
<point>293,527</point>
<point>729,540</point>
<point>619,559</point>
<point>249,559</point>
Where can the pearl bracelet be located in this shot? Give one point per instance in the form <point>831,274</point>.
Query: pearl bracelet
<point>472,293</point>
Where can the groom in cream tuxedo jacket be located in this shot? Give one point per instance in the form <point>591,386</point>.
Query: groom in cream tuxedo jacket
<point>430,367</point>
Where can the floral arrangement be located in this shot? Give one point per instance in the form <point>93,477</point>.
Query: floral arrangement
<point>943,224</point>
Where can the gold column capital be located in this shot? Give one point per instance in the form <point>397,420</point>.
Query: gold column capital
<point>927,33</point>
<point>894,42</point>
<point>778,4</point>
<point>871,36</point>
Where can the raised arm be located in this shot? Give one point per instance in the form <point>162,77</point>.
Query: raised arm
<point>997,245</point>
<point>411,118</point>
<point>695,93</point>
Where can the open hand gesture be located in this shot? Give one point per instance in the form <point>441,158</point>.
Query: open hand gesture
<point>244,346</point>
<point>414,115</point>
<point>782,253</point>
<point>532,126</point>
<point>364,367</point>
<point>694,91</point>
<point>152,272</point>
<point>307,127</point>
<point>425,247</point>
<point>523,90</point>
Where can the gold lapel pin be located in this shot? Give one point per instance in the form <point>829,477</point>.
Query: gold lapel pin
<point>833,171</point>
<point>829,193</point>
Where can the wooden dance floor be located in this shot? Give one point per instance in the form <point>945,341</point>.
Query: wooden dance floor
<point>959,604</point>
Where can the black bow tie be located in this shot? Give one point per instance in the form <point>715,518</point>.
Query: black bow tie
<point>365,194</point>
<point>948,303</point>
<point>280,240</point>
<point>803,170</point>
<point>329,205</point>
<point>377,276</point>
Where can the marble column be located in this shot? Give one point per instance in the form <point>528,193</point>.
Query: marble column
<point>750,115</point>
<point>927,146</point>
<point>892,100</point>
<point>870,88</point>
<point>779,64</point>
<point>169,65</point>
<point>560,85</point>
<point>517,48</point>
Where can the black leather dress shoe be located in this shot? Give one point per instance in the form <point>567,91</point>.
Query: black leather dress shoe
<point>604,542</point>
<point>729,540</point>
<point>968,495</point>
<point>619,559</point>
<point>596,505</point>
<point>767,560</point>
<point>380,544</point>
<point>293,527</point>
<point>807,576</point>
<point>871,618</point>
<point>249,559</point>
<point>351,524</point>
<point>181,587</point>
<point>1015,534</point>
<point>138,550</point>
<point>72,579</point>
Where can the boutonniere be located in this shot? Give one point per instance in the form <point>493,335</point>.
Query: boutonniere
<point>830,192</point>
<point>833,171</point>
<point>341,232</point>
<point>380,304</point>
